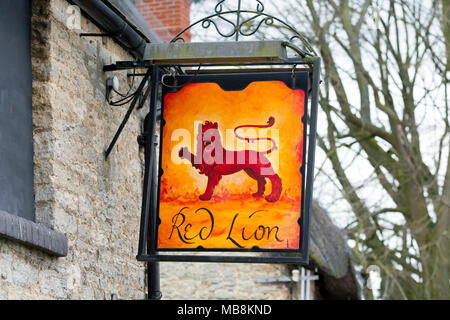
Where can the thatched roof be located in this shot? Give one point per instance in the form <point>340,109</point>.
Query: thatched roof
<point>330,254</point>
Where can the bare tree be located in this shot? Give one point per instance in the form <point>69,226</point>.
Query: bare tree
<point>385,79</point>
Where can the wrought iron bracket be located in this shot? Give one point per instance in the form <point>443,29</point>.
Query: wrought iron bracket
<point>125,65</point>
<point>96,35</point>
<point>137,98</point>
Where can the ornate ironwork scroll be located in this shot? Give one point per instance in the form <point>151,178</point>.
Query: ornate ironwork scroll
<point>236,25</point>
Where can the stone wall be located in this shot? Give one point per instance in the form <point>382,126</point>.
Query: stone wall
<point>221,281</point>
<point>93,202</point>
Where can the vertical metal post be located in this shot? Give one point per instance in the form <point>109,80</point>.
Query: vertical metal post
<point>238,17</point>
<point>308,285</point>
<point>153,277</point>
<point>311,156</point>
<point>296,284</point>
<point>149,130</point>
<point>302,281</point>
<point>148,213</point>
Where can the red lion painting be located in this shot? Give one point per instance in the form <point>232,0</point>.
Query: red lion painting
<point>214,161</point>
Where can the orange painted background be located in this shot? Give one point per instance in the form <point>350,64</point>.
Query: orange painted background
<point>274,225</point>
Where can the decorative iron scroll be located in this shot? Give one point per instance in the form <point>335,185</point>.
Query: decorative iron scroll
<point>248,26</point>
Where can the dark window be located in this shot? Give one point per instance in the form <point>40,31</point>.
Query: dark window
<point>16,136</point>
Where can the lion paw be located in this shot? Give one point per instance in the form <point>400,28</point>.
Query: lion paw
<point>204,197</point>
<point>257,195</point>
<point>272,198</point>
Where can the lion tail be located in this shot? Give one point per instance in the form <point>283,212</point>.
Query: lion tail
<point>270,123</point>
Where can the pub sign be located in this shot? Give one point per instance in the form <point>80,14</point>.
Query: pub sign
<point>232,163</point>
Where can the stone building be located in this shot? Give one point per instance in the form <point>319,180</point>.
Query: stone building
<point>69,219</point>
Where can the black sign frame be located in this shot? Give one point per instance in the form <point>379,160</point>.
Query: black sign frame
<point>148,250</point>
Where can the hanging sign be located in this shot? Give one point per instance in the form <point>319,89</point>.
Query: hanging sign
<point>232,161</point>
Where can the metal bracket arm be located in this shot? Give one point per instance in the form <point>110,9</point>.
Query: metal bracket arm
<point>125,65</point>
<point>130,110</point>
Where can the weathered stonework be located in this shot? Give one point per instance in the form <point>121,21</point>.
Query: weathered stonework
<point>221,281</point>
<point>93,202</point>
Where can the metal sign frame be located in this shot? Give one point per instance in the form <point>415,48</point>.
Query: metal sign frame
<point>161,61</point>
<point>238,82</point>
<point>147,250</point>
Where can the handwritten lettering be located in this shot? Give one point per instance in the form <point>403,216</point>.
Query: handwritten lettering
<point>237,234</point>
<point>259,233</point>
<point>183,234</point>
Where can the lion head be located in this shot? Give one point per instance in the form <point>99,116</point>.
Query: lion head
<point>209,134</point>
<point>208,142</point>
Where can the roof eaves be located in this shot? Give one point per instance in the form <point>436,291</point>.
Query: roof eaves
<point>132,17</point>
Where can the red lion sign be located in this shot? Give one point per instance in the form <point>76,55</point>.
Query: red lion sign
<point>232,164</point>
